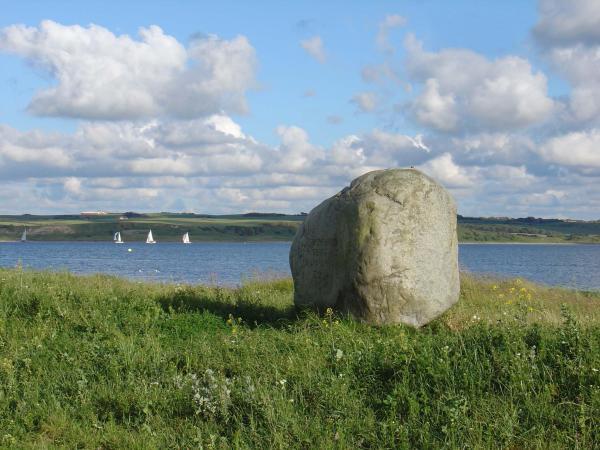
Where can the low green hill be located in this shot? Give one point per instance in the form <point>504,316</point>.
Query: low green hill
<point>266,227</point>
<point>165,227</point>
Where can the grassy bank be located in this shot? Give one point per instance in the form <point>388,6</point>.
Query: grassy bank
<point>99,362</point>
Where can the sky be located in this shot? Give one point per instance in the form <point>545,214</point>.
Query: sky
<point>232,106</point>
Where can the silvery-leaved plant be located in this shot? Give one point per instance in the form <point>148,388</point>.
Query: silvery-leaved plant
<point>211,393</point>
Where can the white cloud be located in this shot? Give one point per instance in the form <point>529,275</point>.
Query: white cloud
<point>207,136</point>
<point>47,157</point>
<point>348,151</point>
<point>516,176</point>
<point>365,101</point>
<point>448,173</point>
<point>434,109</point>
<point>31,153</point>
<point>485,149</point>
<point>73,186</point>
<point>100,75</point>
<point>225,125</point>
<point>296,153</point>
<point>314,47</point>
<point>464,90</point>
<point>353,155</point>
<point>390,22</point>
<point>417,141</point>
<point>158,165</point>
<point>394,150</point>
<point>569,36</point>
<point>565,22</point>
<point>212,146</point>
<point>580,65</point>
<point>549,197</point>
<point>577,149</point>
<point>187,161</point>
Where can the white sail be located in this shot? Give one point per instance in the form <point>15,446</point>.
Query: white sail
<point>24,235</point>
<point>150,239</point>
<point>186,238</point>
<point>117,238</point>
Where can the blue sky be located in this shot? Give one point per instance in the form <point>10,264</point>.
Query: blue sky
<point>277,105</point>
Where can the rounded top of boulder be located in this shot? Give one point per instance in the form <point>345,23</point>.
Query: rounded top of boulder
<point>392,183</point>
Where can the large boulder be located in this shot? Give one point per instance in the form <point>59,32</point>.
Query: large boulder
<point>384,249</point>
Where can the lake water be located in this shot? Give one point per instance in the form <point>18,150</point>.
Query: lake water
<point>576,266</point>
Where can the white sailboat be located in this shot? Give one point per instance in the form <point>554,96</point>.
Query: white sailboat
<point>24,235</point>
<point>186,238</point>
<point>117,238</point>
<point>150,239</point>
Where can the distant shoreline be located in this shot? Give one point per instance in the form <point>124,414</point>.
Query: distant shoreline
<point>216,241</point>
<point>269,228</point>
<point>258,241</point>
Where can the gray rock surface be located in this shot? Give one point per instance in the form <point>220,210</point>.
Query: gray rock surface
<point>384,249</point>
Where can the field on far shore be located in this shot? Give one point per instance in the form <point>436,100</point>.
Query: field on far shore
<point>165,227</point>
<point>266,227</point>
<point>101,362</point>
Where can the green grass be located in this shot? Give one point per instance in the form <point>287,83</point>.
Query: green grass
<point>99,362</point>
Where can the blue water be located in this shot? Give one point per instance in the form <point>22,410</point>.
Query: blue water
<point>576,266</point>
<point>210,263</point>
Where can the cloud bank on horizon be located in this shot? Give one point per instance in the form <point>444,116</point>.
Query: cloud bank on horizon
<point>156,121</point>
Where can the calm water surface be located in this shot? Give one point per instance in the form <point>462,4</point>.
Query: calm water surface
<point>576,266</point>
